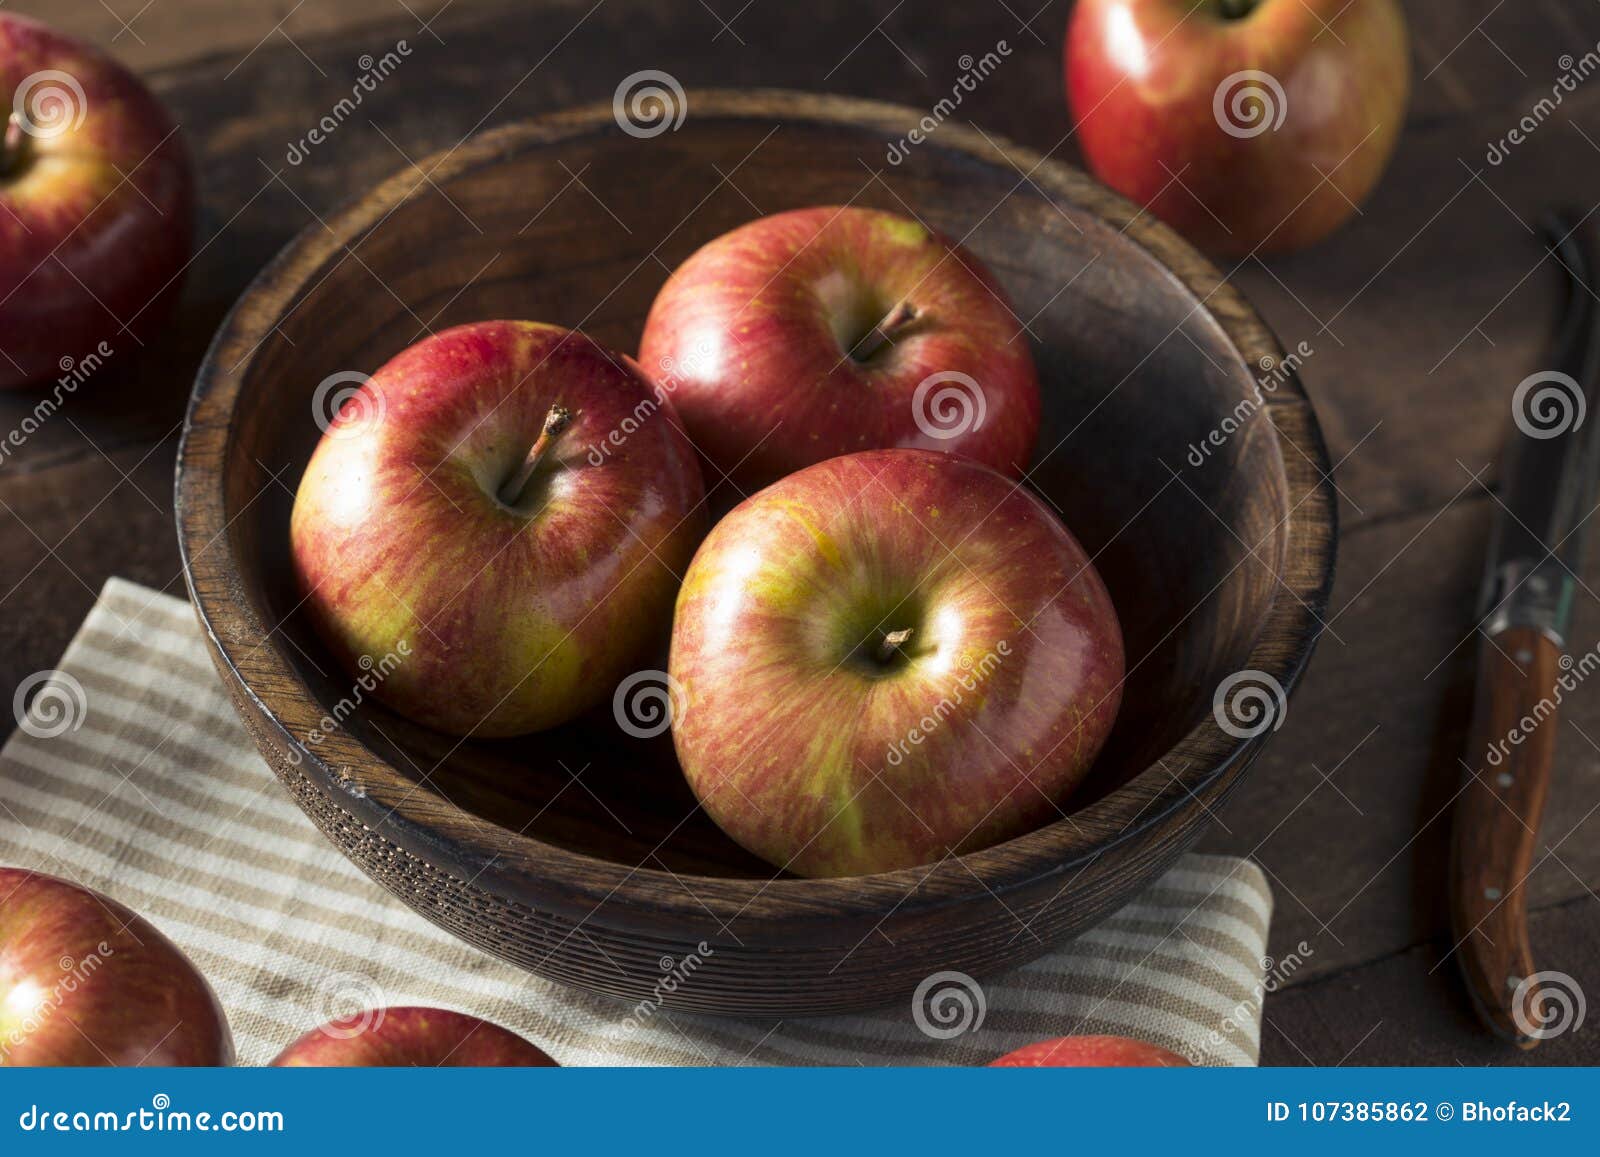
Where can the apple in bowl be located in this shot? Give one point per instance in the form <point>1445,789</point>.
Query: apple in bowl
<point>405,1037</point>
<point>97,204</point>
<point>496,521</point>
<point>889,657</point>
<point>86,981</point>
<point>819,332</point>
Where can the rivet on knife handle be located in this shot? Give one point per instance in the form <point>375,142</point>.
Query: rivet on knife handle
<point>1497,826</point>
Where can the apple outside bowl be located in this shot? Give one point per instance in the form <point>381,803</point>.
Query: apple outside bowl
<point>579,853</point>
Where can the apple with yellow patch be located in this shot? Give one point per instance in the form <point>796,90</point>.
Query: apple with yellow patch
<point>824,331</point>
<point>887,658</point>
<point>495,522</point>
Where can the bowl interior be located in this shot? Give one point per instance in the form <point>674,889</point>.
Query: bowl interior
<point>581,231</point>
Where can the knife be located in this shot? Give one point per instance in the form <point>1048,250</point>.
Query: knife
<point>1546,497</point>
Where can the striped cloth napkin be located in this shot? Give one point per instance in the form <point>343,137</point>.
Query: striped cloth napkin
<point>129,773</point>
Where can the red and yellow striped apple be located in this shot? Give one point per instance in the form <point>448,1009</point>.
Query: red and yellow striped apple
<point>887,657</point>
<point>1247,125</point>
<point>96,204</point>
<point>407,1037</point>
<point>819,332</point>
<point>496,520</point>
<point>85,981</point>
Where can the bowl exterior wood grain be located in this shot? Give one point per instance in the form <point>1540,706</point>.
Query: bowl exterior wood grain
<point>581,855</point>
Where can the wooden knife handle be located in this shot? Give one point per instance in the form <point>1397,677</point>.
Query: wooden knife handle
<point>1511,744</point>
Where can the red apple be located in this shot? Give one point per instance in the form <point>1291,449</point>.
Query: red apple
<point>85,981</point>
<point>96,205</point>
<point>400,1037</point>
<point>492,527</point>
<point>1090,1052</point>
<point>820,332</point>
<point>887,657</point>
<point>1248,125</point>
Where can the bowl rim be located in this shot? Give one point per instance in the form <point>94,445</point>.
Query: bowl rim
<point>515,867</point>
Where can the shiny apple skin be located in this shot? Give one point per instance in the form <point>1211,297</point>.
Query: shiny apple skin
<point>1141,76</point>
<point>100,985</point>
<point>405,1037</point>
<point>750,335</point>
<point>515,620</point>
<point>785,726</point>
<point>83,251</point>
<point>1090,1052</point>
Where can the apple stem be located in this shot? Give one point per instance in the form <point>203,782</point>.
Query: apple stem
<point>555,422</point>
<point>893,642</point>
<point>11,148</point>
<point>1237,9</point>
<point>885,332</point>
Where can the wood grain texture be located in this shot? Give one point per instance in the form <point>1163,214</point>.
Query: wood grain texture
<point>164,34</point>
<point>1495,827</point>
<point>1408,1008</point>
<point>483,837</point>
<point>1424,312</point>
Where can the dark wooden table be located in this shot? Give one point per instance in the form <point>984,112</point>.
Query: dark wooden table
<point>1423,313</point>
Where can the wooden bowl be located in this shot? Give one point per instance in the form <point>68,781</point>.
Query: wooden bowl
<point>579,854</point>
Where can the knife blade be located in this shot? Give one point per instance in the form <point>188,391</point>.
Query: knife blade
<point>1547,496</point>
